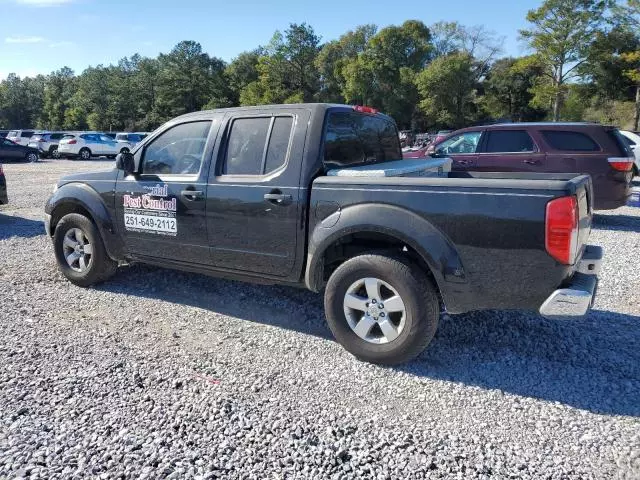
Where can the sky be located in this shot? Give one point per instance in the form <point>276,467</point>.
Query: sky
<point>40,36</point>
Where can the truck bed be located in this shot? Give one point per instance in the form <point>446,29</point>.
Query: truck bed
<point>495,223</point>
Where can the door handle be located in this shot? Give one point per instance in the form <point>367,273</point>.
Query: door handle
<point>278,198</point>
<point>530,161</point>
<point>192,194</point>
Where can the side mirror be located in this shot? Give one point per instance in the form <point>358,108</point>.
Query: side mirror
<point>126,163</point>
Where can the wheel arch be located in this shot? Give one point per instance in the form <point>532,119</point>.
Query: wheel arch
<point>80,198</point>
<point>373,227</point>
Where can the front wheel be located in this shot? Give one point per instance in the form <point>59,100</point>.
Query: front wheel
<point>80,252</point>
<point>55,154</point>
<point>381,309</point>
<point>31,157</point>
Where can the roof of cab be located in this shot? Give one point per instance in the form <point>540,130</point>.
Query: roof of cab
<point>286,106</point>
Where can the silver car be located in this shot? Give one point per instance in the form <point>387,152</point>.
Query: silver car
<point>46,143</point>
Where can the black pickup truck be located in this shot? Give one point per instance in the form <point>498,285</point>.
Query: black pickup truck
<point>243,193</point>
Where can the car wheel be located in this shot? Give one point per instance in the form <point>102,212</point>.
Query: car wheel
<point>80,252</point>
<point>124,150</point>
<point>55,154</point>
<point>381,309</point>
<point>85,154</point>
<point>31,157</point>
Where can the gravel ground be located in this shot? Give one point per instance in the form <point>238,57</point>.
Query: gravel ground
<point>159,374</point>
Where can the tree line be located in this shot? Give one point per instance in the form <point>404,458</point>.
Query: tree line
<point>583,63</point>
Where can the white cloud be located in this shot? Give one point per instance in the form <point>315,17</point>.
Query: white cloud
<point>24,40</point>
<point>63,43</point>
<point>43,3</point>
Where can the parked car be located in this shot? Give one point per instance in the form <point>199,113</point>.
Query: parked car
<point>633,142</point>
<point>10,151</point>
<point>131,138</point>
<point>4,198</point>
<point>21,137</point>
<point>243,193</point>
<point>87,145</point>
<point>111,134</point>
<point>589,148</point>
<point>47,143</point>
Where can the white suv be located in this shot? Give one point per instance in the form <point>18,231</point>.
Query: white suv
<point>87,145</point>
<point>21,137</point>
<point>633,140</point>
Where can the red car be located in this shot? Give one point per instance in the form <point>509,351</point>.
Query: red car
<point>597,150</point>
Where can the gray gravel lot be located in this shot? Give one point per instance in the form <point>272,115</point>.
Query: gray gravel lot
<point>160,374</point>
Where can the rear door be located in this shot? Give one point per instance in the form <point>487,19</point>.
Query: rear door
<point>161,210</point>
<point>462,149</point>
<point>254,195</point>
<point>510,150</point>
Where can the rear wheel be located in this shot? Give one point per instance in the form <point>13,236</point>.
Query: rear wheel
<point>381,309</point>
<point>85,154</point>
<point>53,153</point>
<point>31,157</point>
<point>80,252</point>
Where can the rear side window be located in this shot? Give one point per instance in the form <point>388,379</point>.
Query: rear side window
<point>26,134</point>
<point>622,142</point>
<point>249,153</point>
<point>355,139</point>
<point>570,141</point>
<point>508,141</point>
<point>68,137</point>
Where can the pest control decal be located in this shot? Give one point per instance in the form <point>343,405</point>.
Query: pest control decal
<point>153,212</point>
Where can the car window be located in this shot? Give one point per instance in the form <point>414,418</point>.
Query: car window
<point>105,138</point>
<point>278,148</point>
<point>177,151</point>
<point>354,139</point>
<point>245,146</point>
<point>67,137</point>
<point>56,136</point>
<point>121,136</point>
<point>8,143</point>
<point>628,141</point>
<point>463,143</point>
<point>508,141</point>
<point>13,133</point>
<point>26,134</point>
<point>570,141</point>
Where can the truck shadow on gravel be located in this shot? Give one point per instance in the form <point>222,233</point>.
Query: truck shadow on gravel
<point>11,226</point>
<point>591,364</point>
<point>622,223</point>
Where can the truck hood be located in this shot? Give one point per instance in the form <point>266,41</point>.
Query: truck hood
<point>90,177</point>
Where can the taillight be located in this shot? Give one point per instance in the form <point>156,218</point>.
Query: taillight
<point>363,109</point>
<point>561,229</point>
<point>622,164</point>
<point>72,142</point>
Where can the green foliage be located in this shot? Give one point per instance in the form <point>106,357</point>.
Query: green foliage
<point>448,91</point>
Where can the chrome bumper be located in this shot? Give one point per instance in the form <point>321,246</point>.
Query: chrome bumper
<point>576,298</point>
<point>47,223</point>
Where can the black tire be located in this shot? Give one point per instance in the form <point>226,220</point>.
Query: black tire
<point>100,267</point>
<point>85,154</point>
<point>31,157</point>
<point>53,153</point>
<point>422,308</point>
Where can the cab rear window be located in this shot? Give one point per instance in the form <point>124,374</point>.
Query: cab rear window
<point>354,139</point>
<point>570,141</point>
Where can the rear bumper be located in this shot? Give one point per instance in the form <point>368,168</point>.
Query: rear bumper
<point>576,298</point>
<point>612,191</point>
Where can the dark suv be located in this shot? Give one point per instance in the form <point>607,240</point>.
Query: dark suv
<point>589,148</point>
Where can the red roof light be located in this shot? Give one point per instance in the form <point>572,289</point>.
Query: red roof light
<point>363,109</point>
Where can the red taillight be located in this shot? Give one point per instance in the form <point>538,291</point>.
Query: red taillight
<point>72,142</point>
<point>363,109</point>
<point>622,164</point>
<point>561,229</point>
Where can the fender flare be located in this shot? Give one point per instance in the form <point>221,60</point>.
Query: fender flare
<point>433,246</point>
<point>88,199</point>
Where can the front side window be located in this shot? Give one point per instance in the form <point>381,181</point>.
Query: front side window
<point>178,151</point>
<point>246,143</point>
<point>463,143</point>
<point>509,141</point>
<point>570,141</point>
<point>27,134</point>
<point>354,139</point>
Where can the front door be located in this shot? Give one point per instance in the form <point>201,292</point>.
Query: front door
<point>510,151</point>
<point>254,194</point>
<point>161,209</point>
<point>462,149</point>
